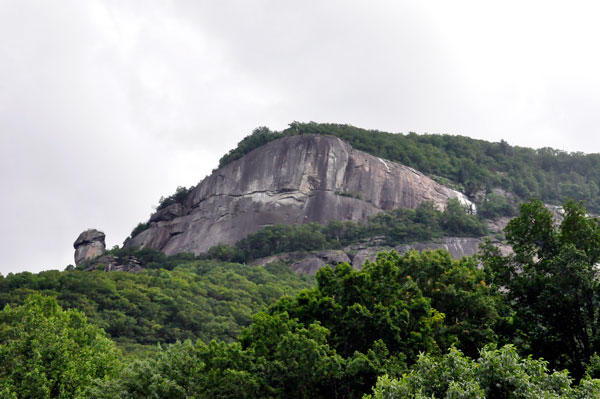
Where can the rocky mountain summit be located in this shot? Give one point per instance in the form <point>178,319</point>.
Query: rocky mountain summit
<point>292,180</point>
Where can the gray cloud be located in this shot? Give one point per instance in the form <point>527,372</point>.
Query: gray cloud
<point>107,105</point>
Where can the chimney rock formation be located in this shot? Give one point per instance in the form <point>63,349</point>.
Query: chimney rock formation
<point>89,244</point>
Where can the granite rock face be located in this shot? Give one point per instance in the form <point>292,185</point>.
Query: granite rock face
<point>357,255</point>
<point>90,244</point>
<point>457,247</point>
<point>293,180</point>
<point>307,262</point>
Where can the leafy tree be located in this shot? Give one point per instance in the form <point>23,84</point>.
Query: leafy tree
<point>48,352</point>
<point>362,307</point>
<point>277,357</point>
<point>455,220</point>
<point>551,281</point>
<point>298,361</point>
<point>178,197</point>
<point>496,374</point>
<point>380,318</point>
<point>186,371</point>
<point>260,136</point>
<point>457,288</point>
<point>494,206</point>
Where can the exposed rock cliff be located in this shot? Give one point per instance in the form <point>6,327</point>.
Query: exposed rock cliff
<point>307,262</point>
<point>292,180</point>
<point>356,255</point>
<point>88,245</point>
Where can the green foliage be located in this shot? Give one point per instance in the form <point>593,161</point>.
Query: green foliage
<point>392,227</point>
<point>497,373</point>
<point>279,336</point>
<point>448,299</point>
<point>196,299</point>
<point>456,222</point>
<point>281,238</point>
<point>475,165</point>
<point>178,197</point>
<point>283,359</point>
<point>457,288</point>
<point>151,258</point>
<point>219,370</point>
<point>186,371</point>
<point>552,283</point>
<point>139,228</point>
<point>47,352</point>
<point>494,206</point>
<point>386,324</point>
<point>298,362</point>
<point>348,194</point>
<point>362,307</point>
<point>259,137</point>
<point>332,341</point>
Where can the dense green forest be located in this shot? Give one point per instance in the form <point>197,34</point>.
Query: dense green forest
<point>174,299</point>
<point>473,165</point>
<point>417,325</point>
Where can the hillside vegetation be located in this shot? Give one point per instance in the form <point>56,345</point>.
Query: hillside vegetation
<point>175,299</point>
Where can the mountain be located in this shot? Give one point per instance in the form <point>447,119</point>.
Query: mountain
<point>292,180</point>
<point>266,331</point>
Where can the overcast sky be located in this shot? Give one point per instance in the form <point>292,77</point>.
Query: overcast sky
<point>105,106</point>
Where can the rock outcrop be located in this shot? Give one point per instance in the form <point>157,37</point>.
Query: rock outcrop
<point>110,263</point>
<point>293,180</point>
<point>90,244</point>
<point>356,255</point>
<point>307,262</point>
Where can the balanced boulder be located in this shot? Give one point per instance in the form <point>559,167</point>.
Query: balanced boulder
<point>90,244</point>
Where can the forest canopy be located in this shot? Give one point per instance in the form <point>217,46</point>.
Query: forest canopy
<point>183,299</point>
